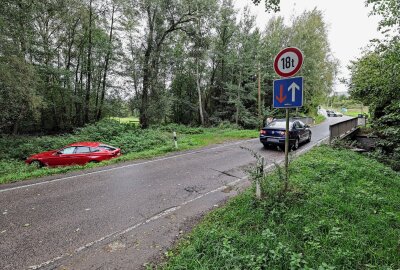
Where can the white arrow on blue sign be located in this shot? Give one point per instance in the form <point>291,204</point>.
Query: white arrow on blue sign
<point>288,93</point>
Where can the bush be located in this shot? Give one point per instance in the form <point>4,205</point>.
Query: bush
<point>179,129</point>
<point>387,128</point>
<point>130,138</point>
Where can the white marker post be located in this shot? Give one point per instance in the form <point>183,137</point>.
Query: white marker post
<point>175,141</point>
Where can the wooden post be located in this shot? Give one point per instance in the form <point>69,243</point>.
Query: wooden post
<point>260,176</point>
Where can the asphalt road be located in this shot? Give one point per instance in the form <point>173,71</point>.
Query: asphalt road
<point>121,217</point>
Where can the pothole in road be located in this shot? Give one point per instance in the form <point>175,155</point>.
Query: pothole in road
<point>195,189</point>
<point>227,173</point>
<point>115,246</point>
<point>228,189</point>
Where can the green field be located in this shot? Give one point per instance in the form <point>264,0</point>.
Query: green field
<point>342,211</point>
<point>353,111</point>
<point>356,112</point>
<point>135,143</point>
<point>126,120</point>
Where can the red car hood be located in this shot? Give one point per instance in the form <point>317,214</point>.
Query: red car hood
<point>43,154</point>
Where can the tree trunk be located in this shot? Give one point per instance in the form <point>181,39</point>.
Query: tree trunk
<point>15,127</point>
<point>77,88</point>
<point>238,98</point>
<point>89,67</point>
<point>199,93</point>
<point>68,67</point>
<point>107,60</point>
<point>198,78</point>
<point>144,120</point>
<point>144,107</point>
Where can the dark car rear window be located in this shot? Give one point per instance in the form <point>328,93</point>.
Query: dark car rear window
<point>277,124</point>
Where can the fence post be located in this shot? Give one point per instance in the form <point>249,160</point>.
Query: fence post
<point>260,176</point>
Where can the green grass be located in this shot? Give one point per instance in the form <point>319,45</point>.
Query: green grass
<point>355,113</point>
<point>319,119</point>
<point>134,142</point>
<point>126,120</point>
<point>342,212</point>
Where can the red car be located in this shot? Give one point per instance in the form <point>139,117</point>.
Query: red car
<point>75,154</point>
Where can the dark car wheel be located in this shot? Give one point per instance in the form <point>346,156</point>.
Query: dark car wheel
<point>36,164</point>
<point>296,144</point>
<point>309,137</point>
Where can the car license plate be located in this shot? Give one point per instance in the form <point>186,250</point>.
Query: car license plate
<point>273,140</point>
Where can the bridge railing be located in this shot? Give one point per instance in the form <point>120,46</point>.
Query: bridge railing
<point>305,120</point>
<point>342,129</point>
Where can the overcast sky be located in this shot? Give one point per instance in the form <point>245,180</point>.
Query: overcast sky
<point>349,26</point>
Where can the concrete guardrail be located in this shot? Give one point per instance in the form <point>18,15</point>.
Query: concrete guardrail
<point>305,120</point>
<point>343,129</point>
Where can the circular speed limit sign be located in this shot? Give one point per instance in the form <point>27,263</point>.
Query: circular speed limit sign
<point>288,62</point>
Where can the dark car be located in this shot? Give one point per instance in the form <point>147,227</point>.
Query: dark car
<point>334,114</point>
<point>274,133</point>
<point>330,113</point>
<point>75,154</point>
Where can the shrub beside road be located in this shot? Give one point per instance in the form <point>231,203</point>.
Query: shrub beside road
<point>135,143</point>
<point>341,212</point>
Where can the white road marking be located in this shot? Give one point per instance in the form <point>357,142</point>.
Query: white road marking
<point>125,166</point>
<point>119,233</point>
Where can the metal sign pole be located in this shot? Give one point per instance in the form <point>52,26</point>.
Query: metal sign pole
<point>287,150</point>
<point>288,91</point>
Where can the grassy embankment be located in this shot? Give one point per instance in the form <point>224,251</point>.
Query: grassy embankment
<point>356,112</point>
<point>342,212</point>
<point>353,111</point>
<point>319,119</point>
<point>134,142</point>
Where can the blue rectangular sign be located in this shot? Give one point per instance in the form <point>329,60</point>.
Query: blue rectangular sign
<point>288,93</point>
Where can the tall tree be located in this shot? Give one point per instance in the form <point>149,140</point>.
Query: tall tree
<point>244,63</point>
<point>309,33</point>
<point>162,19</point>
<point>106,64</point>
<point>225,28</point>
<point>89,64</point>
